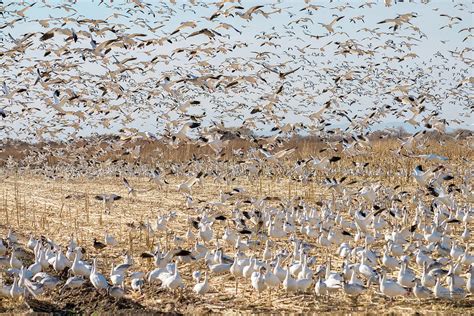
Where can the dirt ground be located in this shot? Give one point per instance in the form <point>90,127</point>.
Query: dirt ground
<point>32,204</point>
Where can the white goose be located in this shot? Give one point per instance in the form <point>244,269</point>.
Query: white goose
<point>421,292</point>
<point>117,276</point>
<point>279,271</point>
<point>78,267</point>
<point>258,280</point>
<point>16,292</point>
<point>97,279</point>
<point>174,281</point>
<point>220,267</point>
<point>236,270</point>
<point>406,277</point>
<point>439,291</point>
<point>390,288</point>
<point>352,288</point>
<point>470,280</point>
<point>289,284</point>
<point>455,293</point>
<point>320,288</point>
<point>203,287</point>
<point>60,262</point>
<point>271,279</point>
<point>73,282</point>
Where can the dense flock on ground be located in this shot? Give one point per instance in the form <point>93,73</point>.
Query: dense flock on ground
<point>242,169</point>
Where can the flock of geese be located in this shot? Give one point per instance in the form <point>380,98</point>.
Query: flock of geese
<point>234,73</point>
<point>193,67</point>
<point>292,245</point>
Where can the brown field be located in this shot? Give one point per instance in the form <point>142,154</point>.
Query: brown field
<point>34,204</point>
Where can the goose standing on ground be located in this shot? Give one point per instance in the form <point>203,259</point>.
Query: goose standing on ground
<point>174,281</point>
<point>455,293</point>
<point>289,284</point>
<point>439,291</point>
<point>391,288</point>
<point>258,280</point>
<point>203,287</point>
<point>73,282</point>
<point>421,292</point>
<point>97,279</point>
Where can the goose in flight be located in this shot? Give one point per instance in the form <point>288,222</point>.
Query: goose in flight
<point>277,156</point>
<point>186,186</point>
<point>281,75</point>
<point>247,15</point>
<point>421,176</point>
<point>330,27</point>
<point>158,179</point>
<point>130,190</point>
<point>108,201</point>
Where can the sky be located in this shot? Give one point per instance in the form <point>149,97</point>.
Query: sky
<point>437,42</point>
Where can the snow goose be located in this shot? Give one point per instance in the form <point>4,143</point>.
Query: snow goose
<point>289,284</point>
<point>205,232</point>
<point>426,279</point>
<point>271,279</point>
<point>32,242</point>
<point>320,287</point>
<point>352,288</point>
<point>306,272</point>
<point>109,240</point>
<point>16,291</point>
<point>470,280</point>
<point>78,267</point>
<point>455,293</point>
<point>267,252</point>
<point>116,292</point>
<point>389,262</point>
<point>258,281</point>
<point>160,273</point>
<point>117,276</point>
<point>250,268</point>
<point>220,266</point>
<point>15,263</point>
<point>466,234</point>
<point>439,291</point>
<point>236,270</point>
<point>279,271</point>
<point>35,267</point>
<point>366,270</point>
<point>230,236</point>
<point>333,280</point>
<point>97,279</point>
<point>454,272</point>
<point>421,176</point>
<point>73,282</point>
<point>467,258</point>
<point>406,277</point>
<point>11,237</point>
<point>456,252</point>
<point>137,283</point>
<point>108,201</point>
<point>421,292</point>
<point>60,262</point>
<point>203,287</point>
<point>174,281</point>
<point>49,281</point>
<point>390,288</point>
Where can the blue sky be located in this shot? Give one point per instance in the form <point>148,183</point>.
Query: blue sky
<point>429,49</point>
